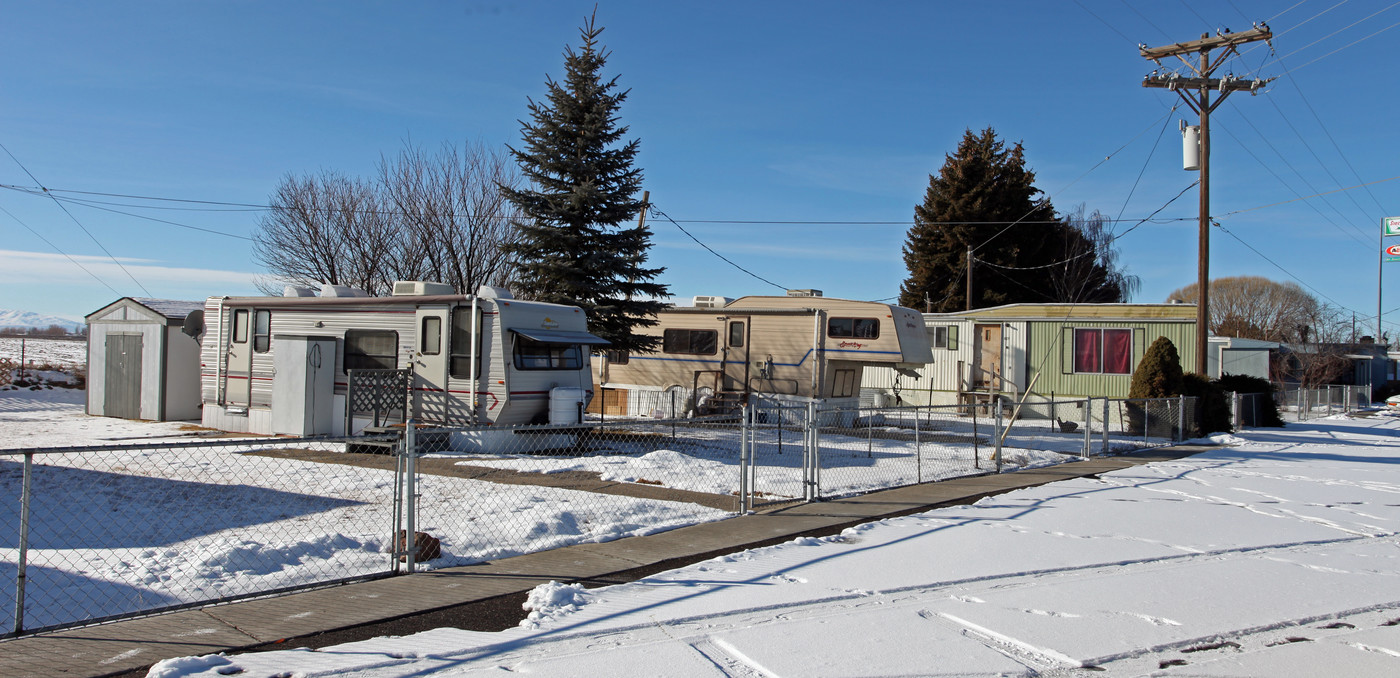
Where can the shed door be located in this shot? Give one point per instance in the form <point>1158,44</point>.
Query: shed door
<point>986,370</point>
<point>123,376</point>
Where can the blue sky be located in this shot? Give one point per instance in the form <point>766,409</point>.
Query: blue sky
<point>746,112</point>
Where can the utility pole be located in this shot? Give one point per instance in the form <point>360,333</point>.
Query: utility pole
<point>1195,91</point>
<point>969,277</point>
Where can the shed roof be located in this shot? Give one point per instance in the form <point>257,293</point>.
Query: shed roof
<point>173,309</point>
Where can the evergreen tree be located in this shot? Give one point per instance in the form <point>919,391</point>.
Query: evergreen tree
<point>574,247</point>
<point>1158,374</point>
<point>985,197</point>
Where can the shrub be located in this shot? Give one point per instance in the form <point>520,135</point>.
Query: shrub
<point>1258,411</point>
<point>1158,374</point>
<point>1212,408</point>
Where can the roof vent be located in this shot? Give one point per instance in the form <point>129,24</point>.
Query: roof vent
<point>329,290</point>
<point>294,291</point>
<point>804,293</point>
<point>420,288</point>
<point>711,302</point>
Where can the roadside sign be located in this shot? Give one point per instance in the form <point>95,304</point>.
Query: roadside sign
<point>1392,251</point>
<point>1390,226</point>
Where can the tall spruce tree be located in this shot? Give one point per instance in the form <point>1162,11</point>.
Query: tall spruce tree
<point>575,244</point>
<point>974,199</point>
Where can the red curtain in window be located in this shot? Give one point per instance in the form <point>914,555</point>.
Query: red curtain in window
<point>1086,350</point>
<point>1117,351</point>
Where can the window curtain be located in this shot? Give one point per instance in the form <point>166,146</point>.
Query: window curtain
<point>1117,351</point>
<point>1086,350</point>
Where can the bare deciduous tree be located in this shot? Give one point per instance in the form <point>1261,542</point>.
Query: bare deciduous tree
<point>327,228</point>
<point>453,209</point>
<point>1253,307</point>
<point>1089,271</point>
<point>438,217</point>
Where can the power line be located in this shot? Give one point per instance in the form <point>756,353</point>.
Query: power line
<point>60,251</point>
<point>667,217</point>
<point>79,223</point>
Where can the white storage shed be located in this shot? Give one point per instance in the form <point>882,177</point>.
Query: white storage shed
<point>141,364</point>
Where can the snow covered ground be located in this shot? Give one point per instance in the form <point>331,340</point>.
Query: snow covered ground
<point>201,523</point>
<point>39,351</point>
<point>1274,555</point>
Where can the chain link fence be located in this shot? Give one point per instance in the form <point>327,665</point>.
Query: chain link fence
<point>1301,404</point>
<point>113,531</point>
<point>103,532</point>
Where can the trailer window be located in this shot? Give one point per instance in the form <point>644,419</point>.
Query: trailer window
<point>262,331</point>
<point>240,326</point>
<point>736,334</point>
<point>537,355</point>
<point>1103,351</point>
<point>430,338</point>
<point>853,328</point>
<point>690,342</point>
<point>616,357</point>
<point>371,350</point>
<point>461,346</point>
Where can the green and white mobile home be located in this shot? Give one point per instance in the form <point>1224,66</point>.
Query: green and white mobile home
<point>1068,350</point>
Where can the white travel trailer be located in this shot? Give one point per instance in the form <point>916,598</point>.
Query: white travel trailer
<point>799,346</point>
<point>274,365</point>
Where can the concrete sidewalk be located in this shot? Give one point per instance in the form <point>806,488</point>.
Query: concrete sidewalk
<point>408,603</point>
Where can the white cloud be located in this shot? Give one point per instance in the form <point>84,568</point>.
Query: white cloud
<point>28,267</point>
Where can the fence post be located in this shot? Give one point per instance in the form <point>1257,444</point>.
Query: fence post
<point>976,451</point>
<point>744,460</point>
<point>815,423</point>
<point>1088,424</point>
<point>410,445</point>
<point>400,464</point>
<point>918,448</point>
<point>20,572</point>
<point>997,424</point>
<point>1105,426</point>
<point>1181,417</point>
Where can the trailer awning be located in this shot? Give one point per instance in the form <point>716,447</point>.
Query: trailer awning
<point>562,337</point>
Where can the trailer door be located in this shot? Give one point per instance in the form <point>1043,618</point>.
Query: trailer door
<point>238,376</point>
<point>430,390</point>
<point>736,354</point>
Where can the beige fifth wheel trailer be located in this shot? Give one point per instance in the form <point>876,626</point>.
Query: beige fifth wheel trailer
<point>721,351</point>
<point>278,364</point>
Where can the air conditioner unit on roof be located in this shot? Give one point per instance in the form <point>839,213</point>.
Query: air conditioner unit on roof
<point>711,302</point>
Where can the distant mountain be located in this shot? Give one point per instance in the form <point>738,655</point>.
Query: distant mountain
<point>26,319</point>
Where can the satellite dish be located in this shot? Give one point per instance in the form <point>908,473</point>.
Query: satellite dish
<point>194,323</point>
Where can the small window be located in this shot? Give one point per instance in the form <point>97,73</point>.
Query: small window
<point>462,344</point>
<point>617,357</point>
<point>240,326</point>
<point>690,342</point>
<point>1103,351</point>
<point>736,334</point>
<point>262,331</point>
<point>538,355</point>
<point>853,328</point>
<point>371,350</point>
<point>940,337</point>
<point>430,336</point>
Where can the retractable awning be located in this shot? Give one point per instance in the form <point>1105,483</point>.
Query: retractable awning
<point>561,337</point>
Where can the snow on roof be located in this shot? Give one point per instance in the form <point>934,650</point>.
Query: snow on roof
<point>170,308</point>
